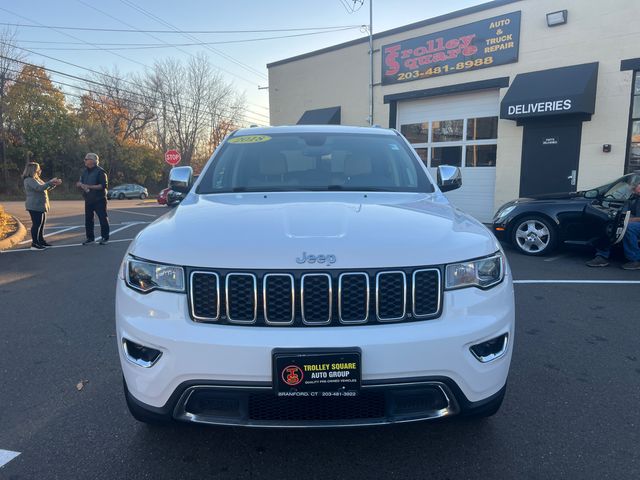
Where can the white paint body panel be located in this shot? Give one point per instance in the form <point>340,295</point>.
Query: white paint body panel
<point>269,231</point>
<point>199,351</point>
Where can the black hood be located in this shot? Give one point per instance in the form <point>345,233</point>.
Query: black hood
<point>552,196</point>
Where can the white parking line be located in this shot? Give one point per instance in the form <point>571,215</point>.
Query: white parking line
<point>6,456</point>
<point>131,224</point>
<point>54,233</point>
<point>66,229</point>
<point>61,246</point>
<point>580,282</point>
<point>135,213</point>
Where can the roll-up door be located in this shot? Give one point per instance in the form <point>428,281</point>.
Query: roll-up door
<point>460,130</point>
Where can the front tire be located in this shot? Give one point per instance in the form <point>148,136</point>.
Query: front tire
<point>143,196</point>
<point>121,196</point>
<point>533,235</point>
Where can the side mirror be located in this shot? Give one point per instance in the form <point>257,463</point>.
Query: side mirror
<point>591,194</point>
<point>180,179</point>
<point>449,178</point>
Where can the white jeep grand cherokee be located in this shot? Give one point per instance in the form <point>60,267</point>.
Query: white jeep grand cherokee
<point>314,276</point>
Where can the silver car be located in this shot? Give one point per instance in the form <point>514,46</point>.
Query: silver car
<point>128,190</point>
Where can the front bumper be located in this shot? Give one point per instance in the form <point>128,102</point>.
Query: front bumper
<point>500,229</point>
<point>430,354</point>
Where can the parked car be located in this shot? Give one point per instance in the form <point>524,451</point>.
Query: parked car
<point>128,190</point>
<point>315,276</point>
<point>162,196</point>
<point>536,225</point>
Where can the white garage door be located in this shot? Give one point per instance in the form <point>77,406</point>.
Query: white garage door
<point>460,130</point>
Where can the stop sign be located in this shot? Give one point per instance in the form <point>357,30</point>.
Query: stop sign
<point>172,157</point>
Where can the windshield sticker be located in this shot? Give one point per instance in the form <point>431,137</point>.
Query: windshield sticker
<point>250,139</point>
<point>393,146</point>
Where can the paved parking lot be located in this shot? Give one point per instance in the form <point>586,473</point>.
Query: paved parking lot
<point>571,409</point>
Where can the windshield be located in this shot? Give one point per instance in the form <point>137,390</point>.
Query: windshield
<point>314,162</point>
<point>622,189</point>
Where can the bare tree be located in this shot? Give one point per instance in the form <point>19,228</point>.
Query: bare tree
<point>10,57</point>
<point>121,103</point>
<point>192,101</point>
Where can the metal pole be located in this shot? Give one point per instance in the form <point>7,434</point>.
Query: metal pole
<point>370,62</point>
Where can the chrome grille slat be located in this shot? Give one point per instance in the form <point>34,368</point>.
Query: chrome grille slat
<point>419,304</point>
<point>313,307</point>
<point>390,302</point>
<point>199,304</point>
<point>345,306</point>
<point>285,305</point>
<point>315,298</point>
<point>252,297</point>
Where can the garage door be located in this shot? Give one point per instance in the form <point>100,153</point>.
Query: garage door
<point>460,130</point>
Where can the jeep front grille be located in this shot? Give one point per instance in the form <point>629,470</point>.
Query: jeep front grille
<point>310,298</point>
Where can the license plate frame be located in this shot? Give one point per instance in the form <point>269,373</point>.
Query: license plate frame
<point>317,373</point>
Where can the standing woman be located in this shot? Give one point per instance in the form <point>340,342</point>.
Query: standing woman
<point>37,202</point>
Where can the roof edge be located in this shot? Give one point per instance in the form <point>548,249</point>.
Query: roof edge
<point>412,26</point>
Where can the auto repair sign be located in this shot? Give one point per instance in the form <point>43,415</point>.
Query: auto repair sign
<point>482,44</point>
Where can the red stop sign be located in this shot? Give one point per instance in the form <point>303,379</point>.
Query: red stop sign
<point>172,157</point>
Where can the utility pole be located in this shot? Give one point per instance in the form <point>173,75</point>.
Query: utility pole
<point>370,62</point>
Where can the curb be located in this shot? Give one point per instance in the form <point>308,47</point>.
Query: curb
<point>16,237</point>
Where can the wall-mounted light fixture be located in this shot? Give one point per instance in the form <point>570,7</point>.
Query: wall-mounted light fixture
<point>557,18</point>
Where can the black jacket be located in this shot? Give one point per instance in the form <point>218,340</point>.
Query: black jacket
<point>94,176</point>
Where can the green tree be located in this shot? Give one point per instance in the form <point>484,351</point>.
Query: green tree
<point>40,126</point>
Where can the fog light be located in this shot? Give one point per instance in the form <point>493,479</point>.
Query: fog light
<point>140,355</point>
<point>491,349</point>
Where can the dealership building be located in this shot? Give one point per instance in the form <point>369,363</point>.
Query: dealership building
<point>526,96</point>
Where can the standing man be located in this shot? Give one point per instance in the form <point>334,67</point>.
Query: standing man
<point>94,183</point>
<point>630,239</point>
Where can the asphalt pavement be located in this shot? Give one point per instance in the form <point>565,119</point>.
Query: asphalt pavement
<point>571,409</point>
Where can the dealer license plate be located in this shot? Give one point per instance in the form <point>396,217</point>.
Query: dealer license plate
<point>316,374</point>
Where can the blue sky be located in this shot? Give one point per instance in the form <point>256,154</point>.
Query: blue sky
<point>202,15</point>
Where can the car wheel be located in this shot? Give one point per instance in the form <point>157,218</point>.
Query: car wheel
<point>121,196</point>
<point>533,235</point>
<point>143,196</point>
<point>141,414</point>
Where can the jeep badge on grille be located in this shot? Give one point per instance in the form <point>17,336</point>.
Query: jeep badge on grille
<point>328,259</point>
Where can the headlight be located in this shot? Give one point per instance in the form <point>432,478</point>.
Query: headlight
<point>504,212</point>
<point>482,273</point>
<point>147,276</point>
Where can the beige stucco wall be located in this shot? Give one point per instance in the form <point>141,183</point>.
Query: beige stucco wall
<point>597,31</point>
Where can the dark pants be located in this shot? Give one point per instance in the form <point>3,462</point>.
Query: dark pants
<point>100,209</point>
<point>38,219</point>
<point>629,242</point>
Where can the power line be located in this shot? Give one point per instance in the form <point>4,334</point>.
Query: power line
<point>75,77</point>
<point>141,46</point>
<point>124,30</point>
<point>96,72</point>
<point>156,38</point>
<point>103,49</point>
<point>191,37</point>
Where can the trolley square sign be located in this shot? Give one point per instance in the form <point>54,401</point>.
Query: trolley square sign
<point>482,44</point>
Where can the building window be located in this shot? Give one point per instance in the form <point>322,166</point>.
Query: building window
<point>416,132</point>
<point>447,130</point>
<point>446,156</point>
<point>633,162</point>
<point>468,142</point>
<point>481,155</point>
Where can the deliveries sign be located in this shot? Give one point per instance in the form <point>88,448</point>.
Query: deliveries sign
<point>482,44</point>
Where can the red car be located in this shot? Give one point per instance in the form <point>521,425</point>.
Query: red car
<point>162,196</point>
